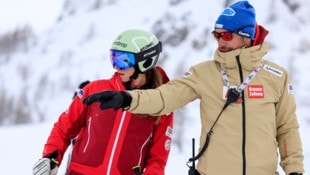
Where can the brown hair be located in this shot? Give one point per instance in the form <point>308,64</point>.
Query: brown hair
<point>154,78</point>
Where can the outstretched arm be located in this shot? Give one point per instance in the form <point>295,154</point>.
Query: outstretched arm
<point>159,101</point>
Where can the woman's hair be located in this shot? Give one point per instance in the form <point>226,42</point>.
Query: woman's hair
<point>153,78</point>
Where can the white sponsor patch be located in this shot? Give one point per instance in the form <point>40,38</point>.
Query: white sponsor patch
<point>187,74</point>
<point>169,132</point>
<point>273,70</point>
<point>290,89</point>
<point>168,144</point>
<point>80,93</point>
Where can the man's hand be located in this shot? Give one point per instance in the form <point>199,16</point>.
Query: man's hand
<point>110,99</point>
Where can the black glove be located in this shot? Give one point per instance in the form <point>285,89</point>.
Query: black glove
<point>110,99</point>
<point>295,174</point>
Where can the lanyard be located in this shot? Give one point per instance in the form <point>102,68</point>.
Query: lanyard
<point>240,89</point>
<point>246,81</point>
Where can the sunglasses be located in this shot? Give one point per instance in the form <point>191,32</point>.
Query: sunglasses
<point>226,36</point>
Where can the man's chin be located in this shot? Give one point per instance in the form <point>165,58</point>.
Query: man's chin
<point>225,49</point>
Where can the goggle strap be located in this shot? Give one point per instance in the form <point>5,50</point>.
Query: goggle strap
<point>150,52</point>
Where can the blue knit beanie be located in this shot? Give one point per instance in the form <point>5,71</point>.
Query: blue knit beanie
<point>238,18</point>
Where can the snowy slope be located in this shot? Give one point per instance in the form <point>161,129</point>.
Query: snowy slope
<point>21,147</point>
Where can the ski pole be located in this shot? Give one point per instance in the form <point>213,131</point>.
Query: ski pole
<point>193,152</point>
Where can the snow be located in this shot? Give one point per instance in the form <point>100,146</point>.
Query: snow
<point>40,14</point>
<point>21,145</point>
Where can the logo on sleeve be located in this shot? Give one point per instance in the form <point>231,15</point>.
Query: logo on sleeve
<point>168,144</point>
<point>187,74</point>
<point>273,70</point>
<point>80,93</point>
<point>255,91</point>
<point>290,89</point>
<point>169,131</point>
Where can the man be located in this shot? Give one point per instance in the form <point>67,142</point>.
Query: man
<point>247,105</point>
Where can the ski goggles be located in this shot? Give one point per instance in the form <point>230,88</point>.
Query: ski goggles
<point>125,60</point>
<point>122,60</point>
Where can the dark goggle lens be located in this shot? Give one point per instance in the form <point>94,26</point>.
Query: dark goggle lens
<point>122,60</point>
<point>226,36</point>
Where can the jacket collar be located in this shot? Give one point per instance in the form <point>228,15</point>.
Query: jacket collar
<point>249,57</point>
<point>116,82</point>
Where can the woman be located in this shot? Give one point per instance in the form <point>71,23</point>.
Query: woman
<point>114,142</point>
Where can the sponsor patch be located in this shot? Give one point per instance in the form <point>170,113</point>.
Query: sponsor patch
<point>118,43</point>
<point>187,74</point>
<point>169,132</point>
<point>255,91</point>
<point>290,89</point>
<point>80,93</point>
<point>168,144</point>
<point>228,12</point>
<point>273,70</point>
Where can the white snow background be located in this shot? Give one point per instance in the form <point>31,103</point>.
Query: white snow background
<point>75,48</point>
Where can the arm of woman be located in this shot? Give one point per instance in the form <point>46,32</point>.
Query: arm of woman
<point>160,147</point>
<point>65,129</point>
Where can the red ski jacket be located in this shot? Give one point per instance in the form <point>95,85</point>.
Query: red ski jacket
<point>111,142</point>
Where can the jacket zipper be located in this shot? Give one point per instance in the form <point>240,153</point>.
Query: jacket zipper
<point>142,147</point>
<point>243,120</point>
<point>88,134</point>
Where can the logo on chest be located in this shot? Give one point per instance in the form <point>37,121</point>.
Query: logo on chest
<point>256,91</point>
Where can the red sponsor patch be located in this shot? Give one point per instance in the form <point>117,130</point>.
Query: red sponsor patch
<point>255,91</point>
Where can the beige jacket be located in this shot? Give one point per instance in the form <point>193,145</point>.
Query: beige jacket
<point>248,133</point>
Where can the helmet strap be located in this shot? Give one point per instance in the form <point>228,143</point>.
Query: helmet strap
<point>129,84</point>
<point>135,73</point>
<point>131,79</point>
